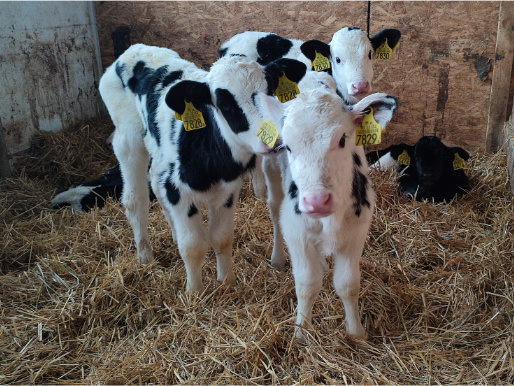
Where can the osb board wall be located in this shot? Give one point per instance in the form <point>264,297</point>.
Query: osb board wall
<point>434,73</point>
<point>196,29</point>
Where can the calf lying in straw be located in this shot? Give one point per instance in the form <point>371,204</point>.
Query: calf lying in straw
<point>429,169</point>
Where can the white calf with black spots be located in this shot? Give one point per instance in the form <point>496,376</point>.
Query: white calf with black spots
<point>349,54</point>
<point>329,200</point>
<point>143,90</point>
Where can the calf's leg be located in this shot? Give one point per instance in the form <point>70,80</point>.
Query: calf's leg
<point>273,177</point>
<point>347,278</point>
<point>133,158</point>
<point>221,236</point>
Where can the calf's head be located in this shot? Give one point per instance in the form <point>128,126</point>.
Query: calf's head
<point>318,131</point>
<point>230,93</point>
<point>350,54</point>
<point>433,159</point>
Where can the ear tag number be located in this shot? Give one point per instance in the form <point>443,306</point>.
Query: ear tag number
<point>384,51</point>
<point>369,132</point>
<point>404,159</point>
<point>458,162</point>
<point>320,62</point>
<point>268,133</point>
<point>193,119</point>
<point>286,89</point>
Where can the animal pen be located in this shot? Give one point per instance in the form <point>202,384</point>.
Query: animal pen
<point>437,291</point>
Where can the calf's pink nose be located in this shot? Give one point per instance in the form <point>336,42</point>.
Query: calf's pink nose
<point>317,203</point>
<point>360,87</point>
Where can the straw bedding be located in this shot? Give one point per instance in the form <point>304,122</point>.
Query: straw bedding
<point>437,292</point>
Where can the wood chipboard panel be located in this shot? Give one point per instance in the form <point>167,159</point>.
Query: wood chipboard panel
<point>442,69</point>
<point>196,29</point>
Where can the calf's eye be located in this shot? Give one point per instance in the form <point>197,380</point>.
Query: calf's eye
<point>369,55</point>
<point>288,149</point>
<point>338,60</point>
<point>342,141</point>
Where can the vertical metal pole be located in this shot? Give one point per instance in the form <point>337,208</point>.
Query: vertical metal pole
<point>369,15</point>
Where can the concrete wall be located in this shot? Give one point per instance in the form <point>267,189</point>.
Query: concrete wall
<point>49,68</point>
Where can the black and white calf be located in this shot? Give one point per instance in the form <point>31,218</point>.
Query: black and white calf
<point>329,199</point>
<point>204,167</point>
<point>431,170</point>
<point>93,193</point>
<point>349,52</point>
<point>87,195</point>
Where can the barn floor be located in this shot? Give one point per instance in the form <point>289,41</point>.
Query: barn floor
<point>437,291</point>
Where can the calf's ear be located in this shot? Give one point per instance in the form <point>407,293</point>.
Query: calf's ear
<point>187,90</point>
<point>293,69</point>
<point>396,150</point>
<point>462,153</point>
<point>311,47</point>
<point>270,107</point>
<point>383,106</point>
<point>392,35</point>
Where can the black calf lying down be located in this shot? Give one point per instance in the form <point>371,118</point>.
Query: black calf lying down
<point>93,193</point>
<point>431,169</point>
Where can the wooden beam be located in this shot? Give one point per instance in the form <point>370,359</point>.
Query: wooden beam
<point>502,71</point>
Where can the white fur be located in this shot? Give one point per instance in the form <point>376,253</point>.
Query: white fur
<point>242,77</point>
<point>386,162</point>
<point>72,197</point>
<point>352,47</point>
<point>314,124</point>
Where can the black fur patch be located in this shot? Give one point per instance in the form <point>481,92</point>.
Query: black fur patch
<point>234,115</point>
<point>293,194</point>
<point>222,52</point>
<point>359,191</point>
<point>149,82</point>
<point>272,47</point>
<point>297,208</point>
<point>357,160</point>
<point>293,69</point>
<point>293,190</point>
<point>392,35</point>
<point>171,77</point>
<point>172,192</point>
<point>311,47</point>
<point>120,69</point>
<point>229,202</point>
<point>205,158</point>
<point>192,210</point>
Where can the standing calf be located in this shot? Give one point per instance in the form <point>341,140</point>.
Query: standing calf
<point>329,199</point>
<point>204,167</point>
<point>349,53</point>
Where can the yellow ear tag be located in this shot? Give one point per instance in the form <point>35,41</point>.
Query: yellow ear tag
<point>384,51</point>
<point>395,46</point>
<point>268,133</point>
<point>320,62</point>
<point>286,89</point>
<point>369,132</point>
<point>404,159</point>
<point>458,162</point>
<point>193,119</point>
